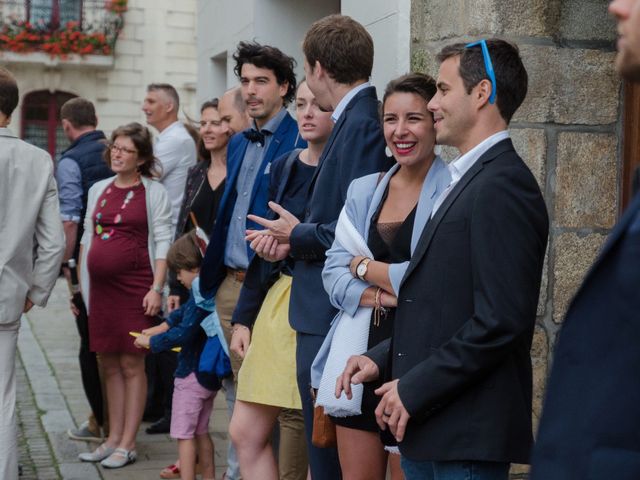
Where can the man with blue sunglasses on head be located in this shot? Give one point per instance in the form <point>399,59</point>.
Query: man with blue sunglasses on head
<point>458,367</point>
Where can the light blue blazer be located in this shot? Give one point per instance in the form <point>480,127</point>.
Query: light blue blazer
<point>363,197</point>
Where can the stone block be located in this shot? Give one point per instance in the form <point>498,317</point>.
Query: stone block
<point>79,471</point>
<point>129,47</point>
<point>586,180</point>
<point>423,59</point>
<point>180,50</point>
<point>125,77</point>
<point>125,62</point>
<point>180,19</point>
<point>184,6</point>
<point>574,254</point>
<point>184,35</point>
<point>569,86</point>
<point>121,93</point>
<point>122,108</point>
<point>181,65</point>
<point>531,145</point>
<point>438,19</point>
<point>586,20</point>
<point>435,20</point>
<point>544,286</point>
<point>134,16</point>
<point>539,363</point>
<point>526,18</point>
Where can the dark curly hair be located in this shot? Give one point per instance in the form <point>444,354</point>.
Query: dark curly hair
<point>141,138</point>
<point>272,58</point>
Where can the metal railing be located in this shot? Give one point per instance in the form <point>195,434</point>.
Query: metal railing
<point>27,25</point>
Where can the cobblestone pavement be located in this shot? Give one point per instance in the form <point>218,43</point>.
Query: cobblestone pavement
<point>35,452</point>
<point>51,400</point>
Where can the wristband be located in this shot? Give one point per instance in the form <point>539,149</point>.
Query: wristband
<point>157,288</point>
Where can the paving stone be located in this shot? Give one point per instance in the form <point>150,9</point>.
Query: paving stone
<point>48,343</point>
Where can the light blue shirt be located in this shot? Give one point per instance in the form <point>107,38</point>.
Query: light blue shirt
<point>235,252</point>
<point>69,180</point>
<point>342,104</point>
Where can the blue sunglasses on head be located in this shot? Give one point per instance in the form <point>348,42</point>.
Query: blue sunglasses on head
<point>488,66</point>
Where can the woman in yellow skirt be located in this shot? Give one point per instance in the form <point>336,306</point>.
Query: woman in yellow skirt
<point>267,386</point>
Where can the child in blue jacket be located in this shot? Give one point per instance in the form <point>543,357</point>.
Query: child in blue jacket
<point>194,390</point>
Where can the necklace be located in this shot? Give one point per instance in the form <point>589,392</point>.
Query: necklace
<point>100,230</point>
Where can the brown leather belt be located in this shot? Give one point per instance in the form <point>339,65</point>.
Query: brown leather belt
<point>238,275</point>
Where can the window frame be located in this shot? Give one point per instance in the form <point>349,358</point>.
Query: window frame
<point>630,140</point>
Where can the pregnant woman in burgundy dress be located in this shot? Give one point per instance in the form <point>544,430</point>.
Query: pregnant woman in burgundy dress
<point>127,235</point>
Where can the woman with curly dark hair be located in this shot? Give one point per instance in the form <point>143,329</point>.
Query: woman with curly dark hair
<point>123,269</point>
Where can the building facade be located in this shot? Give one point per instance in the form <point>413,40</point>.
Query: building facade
<point>146,41</point>
<point>283,23</point>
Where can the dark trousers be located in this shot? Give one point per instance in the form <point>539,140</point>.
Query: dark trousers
<point>89,371</point>
<point>160,368</point>
<point>323,462</point>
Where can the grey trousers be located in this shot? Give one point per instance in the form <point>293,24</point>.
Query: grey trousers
<point>8,426</point>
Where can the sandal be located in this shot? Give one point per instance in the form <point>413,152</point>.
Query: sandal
<point>172,471</point>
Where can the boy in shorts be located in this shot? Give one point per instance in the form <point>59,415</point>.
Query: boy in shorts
<point>194,391</point>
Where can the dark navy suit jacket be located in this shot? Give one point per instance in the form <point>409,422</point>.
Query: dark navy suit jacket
<point>354,149</point>
<point>285,139</point>
<point>466,314</point>
<point>590,426</point>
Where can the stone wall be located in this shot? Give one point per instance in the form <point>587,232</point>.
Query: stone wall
<point>567,130</point>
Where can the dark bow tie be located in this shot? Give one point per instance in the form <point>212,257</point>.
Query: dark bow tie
<point>254,135</point>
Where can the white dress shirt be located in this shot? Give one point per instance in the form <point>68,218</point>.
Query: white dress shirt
<point>463,163</point>
<point>342,104</point>
<point>175,149</point>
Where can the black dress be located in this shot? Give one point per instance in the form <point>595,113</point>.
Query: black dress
<point>205,206</point>
<point>390,243</point>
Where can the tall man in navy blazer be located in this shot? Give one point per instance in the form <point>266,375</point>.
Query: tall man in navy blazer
<point>268,84</point>
<point>590,425</point>
<point>458,366</point>
<point>338,62</point>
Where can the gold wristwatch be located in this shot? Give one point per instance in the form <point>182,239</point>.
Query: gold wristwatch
<point>361,269</point>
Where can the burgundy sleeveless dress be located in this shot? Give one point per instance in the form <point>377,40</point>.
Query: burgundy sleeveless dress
<point>119,270</point>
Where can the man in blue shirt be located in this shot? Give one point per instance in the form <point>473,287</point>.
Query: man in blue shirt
<point>268,84</point>
<point>81,165</point>
<point>338,61</point>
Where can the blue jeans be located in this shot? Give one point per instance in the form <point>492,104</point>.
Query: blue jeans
<point>454,470</point>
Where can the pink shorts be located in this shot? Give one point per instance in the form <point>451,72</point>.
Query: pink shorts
<point>191,408</point>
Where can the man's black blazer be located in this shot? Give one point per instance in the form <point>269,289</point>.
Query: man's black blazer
<point>354,149</point>
<point>466,314</point>
<point>590,425</point>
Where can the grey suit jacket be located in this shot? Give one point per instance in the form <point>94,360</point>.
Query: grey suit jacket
<point>31,235</point>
